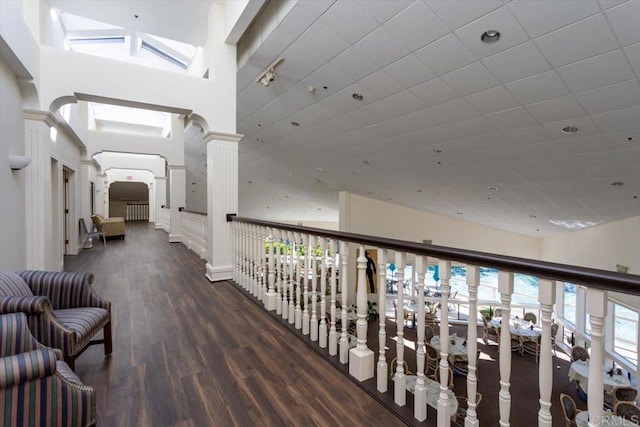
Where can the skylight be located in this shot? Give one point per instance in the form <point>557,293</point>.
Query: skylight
<point>114,118</point>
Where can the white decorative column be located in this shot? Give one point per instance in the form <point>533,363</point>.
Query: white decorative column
<point>444,407</point>
<point>39,237</point>
<point>597,311</point>
<point>399,378</point>
<point>152,202</point>
<point>382,374</point>
<point>361,357</point>
<point>160,199</point>
<point>547,297</point>
<point>177,198</point>
<point>222,199</point>
<point>420,402</point>
<point>473,280</point>
<point>505,287</point>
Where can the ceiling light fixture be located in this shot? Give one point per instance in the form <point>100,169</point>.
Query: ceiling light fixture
<point>492,188</point>
<point>533,216</point>
<point>259,139</point>
<point>617,183</point>
<point>437,150</point>
<point>419,191</point>
<point>357,97</point>
<point>295,124</point>
<point>366,162</point>
<point>490,36</point>
<point>569,129</point>
<point>459,213</point>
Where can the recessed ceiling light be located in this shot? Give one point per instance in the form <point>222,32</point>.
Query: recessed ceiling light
<point>533,216</point>
<point>492,188</point>
<point>325,87</point>
<point>136,16</point>
<point>459,213</point>
<point>617,183</point>
<point>295,124</point>
<point>366,162</point>
<point>437,150</point>
<point>259,124</point>
<point>250,182</point>
<point>357,97</point>
<point>317,181</point>
<point>569,129</point>
<point>629,138</point>
<point>490,36</point>
<point>419,191</point>
<point>259,139</point>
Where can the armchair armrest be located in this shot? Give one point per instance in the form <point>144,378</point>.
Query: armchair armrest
<point>24,304</point>
<point>24,367</point>
<point>64,289</point>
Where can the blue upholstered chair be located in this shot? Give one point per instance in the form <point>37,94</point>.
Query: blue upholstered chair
<point>37,389</point>
<point>62,310</point>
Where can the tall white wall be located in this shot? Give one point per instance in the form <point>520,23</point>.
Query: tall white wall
<point>600,247</point>
<point>12,183</point>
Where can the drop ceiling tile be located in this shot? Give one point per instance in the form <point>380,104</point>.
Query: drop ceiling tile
<point>633,56</point>
<point>619,120</point>
<point>423,119</point>
<point>306,61</point>
<point>456,110</point>
<point>511,119</point>
<point>445,54</point>
<point>474,126</point>
<point>313,114</point>
<point>624,21</point>
<point>492,100</point>
<point>409,71</point>
<point>501,20</point>
<point>297,21</point>
<point>323,41</point>
<point>329,75</point>
<point>620,140</point>
<point>434,92</point>
<point>382,11</point>
<point>601,70</point>
<point>348,20</point>
<point>516,63</point>
<point>338,103</point>
<point>455,16</point>
<point>586,144</point>
<point>564,107</point>
<point>584,39</point>
<point>470,79</point>
<point>272,48</point>
<point>376,112</point>
<point>380,84</point>
<point>541,17</point>
<point>353,64</point>
<point>316,7</point>
<point>416,26</point>
<point>381,48</point>
<point>349,91</point>
<point>404,102</point>
<point>612,97</point>
<point>607,4</point>
<point>536,88</point>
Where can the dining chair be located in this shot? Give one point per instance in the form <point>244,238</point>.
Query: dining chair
<point>428,333</point>
<point>436,377</point>
<point>463,407</point>
<point>530,317</point>
<point>569,410</point>
<point>395,308</point>
<point>554,332</point>
<point>497,312</point>
<point>433,359</point>
<point>393,365</point>
<point>488,330</point>
<point>532,346</point>
<point>461,366</point>
<point>579,353</point>
<point>619,394</point>
<point>628,411</point>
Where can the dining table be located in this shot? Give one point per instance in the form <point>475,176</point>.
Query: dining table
<point>579,371</point>
<point>457,346</point>
<point>608,419</point>
<point>433,392</point>
<point>522,329</point>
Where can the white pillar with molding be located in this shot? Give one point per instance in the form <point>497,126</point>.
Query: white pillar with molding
<point>222,199</point>
<point>177,198</point>
<point>160,199</point>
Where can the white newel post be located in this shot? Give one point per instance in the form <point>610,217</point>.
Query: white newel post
<point>270,300</point>
<point>39,223</point>
<point>333,334</point>
<point>420,402</point>
<point>323,294</point>
<point>399,379</point>
<point>444,408</point>
<point>547,297</point>
<point>505,287</point>
<point>300,260</point>
<point>597,311</point>
<point>473,280</point>
<point>382,333</point>
<point>222,190</point>
<point>361,358</point>
<point>344,289</point>
<point>177,198</point>
<point>160,190</point>
<point>305,284</point>
<point>314,288</point>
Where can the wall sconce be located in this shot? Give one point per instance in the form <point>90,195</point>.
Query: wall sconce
<point>19,162</point>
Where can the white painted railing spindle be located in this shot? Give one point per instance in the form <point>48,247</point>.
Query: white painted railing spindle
<point>505,286</point>
<point>305,284</point>
<point>314,288</point>
<point>382,374</point>
<point>268,299</point>
<point>361,357</point>
<point>444,407</point>
<point>399,379</point>
<point>547,297</point>
<point>292,278</point>
<point>344,289</point>
<point>473,280</point>
<point>420,402</point>
<point>322,331</point>
<point>300,257</point>
<point>597,311</point>
<point>333,334</point>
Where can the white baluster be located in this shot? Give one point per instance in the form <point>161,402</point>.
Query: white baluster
<point>597,311</point>
<point>245,258</point>
<point>314,288</point>
<point>256,256</point>
<point>382,333</point>
<point>250,256</point>
<point>547,298</point>
<point>262,255</point>
<point>444,407</point>
<point>298,310</point>
<point>420,402</point>
<point>333,334</point>
<point>278,266</point>
<point>505,287</point>
<point>344,338</point>
<point>323,294</point>
<point>361,357</point>
<point>286,268</point>
<point>269,299</point>
<point>236,267</point>
<point>292,278</point>
<point>399,379</point>
<point>473,280</point>
<point>305,284</point>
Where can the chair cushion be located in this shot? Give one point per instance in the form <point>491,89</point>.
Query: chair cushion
<point>66,372</point>
<point>12,285</point>
<point>85,321</point>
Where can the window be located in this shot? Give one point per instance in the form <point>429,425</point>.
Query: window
<point>570,292</point>
<point>625,341</point>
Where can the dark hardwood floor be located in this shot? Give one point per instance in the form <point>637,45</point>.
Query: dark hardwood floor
<point>191,353</point>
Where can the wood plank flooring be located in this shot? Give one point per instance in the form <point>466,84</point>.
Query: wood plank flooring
<point>191,353</point>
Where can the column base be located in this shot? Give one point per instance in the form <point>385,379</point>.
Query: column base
<point>175,238</point>
<point>217,274</point>
<point>361,363</point>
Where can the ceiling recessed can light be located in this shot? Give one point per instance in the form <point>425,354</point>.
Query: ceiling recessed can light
<point>492,188</point>
<point>419,191</point>
<point>259,139</point>
<point>617,183</point>
<point>295,124</point>
<point>490,36</point>
<point>437,150</point>
<point>533,216</point>
<point>357,97</point>
<point>569,129</point>
<point>366,162</point>
<point>459,213</point>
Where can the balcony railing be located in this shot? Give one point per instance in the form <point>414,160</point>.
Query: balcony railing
<point>302,274</point>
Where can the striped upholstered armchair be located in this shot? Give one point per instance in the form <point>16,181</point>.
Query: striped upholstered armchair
<point>62,310</point>
<point>37,389</point>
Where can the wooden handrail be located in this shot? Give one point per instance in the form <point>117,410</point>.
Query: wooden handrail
<point>590,277</point>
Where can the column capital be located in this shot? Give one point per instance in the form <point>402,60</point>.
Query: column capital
<point>221,136</point>
<point>40,115</point>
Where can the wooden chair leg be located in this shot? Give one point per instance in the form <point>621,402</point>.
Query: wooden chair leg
<point>108,346</point>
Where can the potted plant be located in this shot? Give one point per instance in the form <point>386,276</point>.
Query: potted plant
<point>487,313</point>
<point>430,311</point>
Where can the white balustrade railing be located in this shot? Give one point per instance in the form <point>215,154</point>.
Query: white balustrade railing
<point>194,229</point>
<point>301,274</point>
